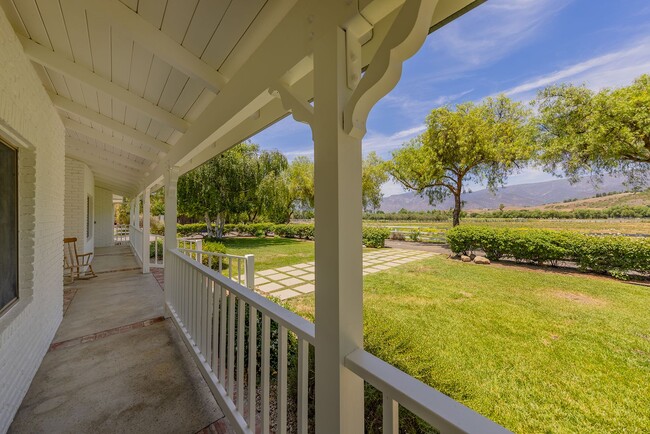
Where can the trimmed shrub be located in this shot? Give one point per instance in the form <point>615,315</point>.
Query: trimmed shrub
<point>615,255</point>
<point>190,228</point>
<point>158,244</point>
<point>375,237</point>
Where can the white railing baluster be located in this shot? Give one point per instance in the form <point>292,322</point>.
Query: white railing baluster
<point>303,386</point>
<point>231,344</point>
<point>252,366</point>
<point>390,415</point>
<point>222,336</point>
<point>215,326</point>
<point>282,379</point>
<point>266,373</point>
<point>241,317</point>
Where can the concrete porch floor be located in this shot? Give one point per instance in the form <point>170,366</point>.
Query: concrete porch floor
<point>116,365</point>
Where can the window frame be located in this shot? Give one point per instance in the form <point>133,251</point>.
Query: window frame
<point>4,309</point>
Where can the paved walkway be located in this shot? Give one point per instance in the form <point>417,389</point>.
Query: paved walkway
<point>116,365</point>
<point>294,280</point>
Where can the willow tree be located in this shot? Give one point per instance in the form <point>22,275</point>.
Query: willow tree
<point>478,143</point>
<point>583,132</point>
<point>228,186</point>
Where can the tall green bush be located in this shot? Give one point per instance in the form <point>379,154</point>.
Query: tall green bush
<point>615,255</point>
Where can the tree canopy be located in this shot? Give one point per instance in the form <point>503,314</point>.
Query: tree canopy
<point>481,143</point>
<point>373,176</point>
<point>582,132</point>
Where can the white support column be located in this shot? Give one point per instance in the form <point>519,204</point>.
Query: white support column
<point>137,211</point>
<point>171,183</point>
<point>339,279</point>
<point>146,217</point>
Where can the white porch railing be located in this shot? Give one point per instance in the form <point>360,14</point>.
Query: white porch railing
<point>241,269</point>
<point>135,238</point>
<point>219,320</point>
<point>229,331</point>
<point>157,260</point>
<point>120,234</point>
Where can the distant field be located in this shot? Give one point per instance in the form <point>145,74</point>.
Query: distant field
<point>622,199</point>
<point>609,226</point>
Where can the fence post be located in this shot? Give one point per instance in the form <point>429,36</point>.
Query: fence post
<point>250,271</point>
<point>199,248</point>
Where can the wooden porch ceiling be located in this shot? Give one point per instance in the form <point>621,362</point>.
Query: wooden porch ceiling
<point>145,84</point>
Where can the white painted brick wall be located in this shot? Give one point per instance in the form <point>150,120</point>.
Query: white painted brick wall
<point>28,118</point>
<point>79,184</point>
<point>103,217</point>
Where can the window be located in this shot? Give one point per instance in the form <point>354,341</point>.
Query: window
<point>8,226</point>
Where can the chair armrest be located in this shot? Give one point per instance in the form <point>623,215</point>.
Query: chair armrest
<point>85,259</point>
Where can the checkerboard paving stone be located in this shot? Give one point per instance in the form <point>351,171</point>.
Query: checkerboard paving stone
<point>298,279</point>
<point>296,273</point>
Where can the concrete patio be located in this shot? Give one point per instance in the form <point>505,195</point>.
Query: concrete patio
<point>116,365</point>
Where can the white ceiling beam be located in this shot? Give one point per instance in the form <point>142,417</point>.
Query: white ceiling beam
<point>46,57</point>
<point>109,140</point>
<point>148,36</point>
<point>79,110</point>
<point>87,148</point>
<point>120,172</point>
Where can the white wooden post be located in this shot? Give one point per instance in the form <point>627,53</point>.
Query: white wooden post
<point>137,212</point>
<point>250,271</point>
<point>339,280</point>
<point>198,245</point>
<point>146,211</point>
<point>171,183</point>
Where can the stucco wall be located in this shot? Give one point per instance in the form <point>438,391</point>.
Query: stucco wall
<point>29,121</point>
<point>103,217</point>
<point>79,185</point>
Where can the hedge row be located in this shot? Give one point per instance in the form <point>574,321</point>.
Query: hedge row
<point>372,237</point>
<point>615,255</point>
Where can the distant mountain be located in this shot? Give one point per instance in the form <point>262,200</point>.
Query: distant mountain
<point>514,196</point>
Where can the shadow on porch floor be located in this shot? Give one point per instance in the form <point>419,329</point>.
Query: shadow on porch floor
<point>116,365</point>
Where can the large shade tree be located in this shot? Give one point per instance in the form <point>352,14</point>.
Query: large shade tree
<point>229,185</point>
<point>582,132</point>
<point>479,143</point>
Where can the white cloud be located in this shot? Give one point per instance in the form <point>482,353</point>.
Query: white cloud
<point>382,144</point>
<point>613,69</point>
<point>414,107</point>
<point>495,30</point>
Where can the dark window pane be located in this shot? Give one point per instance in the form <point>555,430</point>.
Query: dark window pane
<point>8,226</point>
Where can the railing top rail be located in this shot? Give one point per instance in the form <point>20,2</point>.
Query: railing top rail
<point>436,408</point>
<point>136,228</point>
<point>300,326</point>
<point>203,252</point>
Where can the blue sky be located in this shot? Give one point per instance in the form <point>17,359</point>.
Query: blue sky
<point>514,47</point>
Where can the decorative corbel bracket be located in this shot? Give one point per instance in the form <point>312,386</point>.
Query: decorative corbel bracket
<point>405,37</point>
<point>301,110</point>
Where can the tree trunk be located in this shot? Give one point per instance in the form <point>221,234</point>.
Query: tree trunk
<point>219,226</point>
<point>457,206</point>
<point>208,224</point>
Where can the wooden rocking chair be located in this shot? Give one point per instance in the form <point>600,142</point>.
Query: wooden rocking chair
<point>77,265</point>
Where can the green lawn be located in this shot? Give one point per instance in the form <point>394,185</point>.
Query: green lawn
<point>535,351</point>
<point>271,252</point>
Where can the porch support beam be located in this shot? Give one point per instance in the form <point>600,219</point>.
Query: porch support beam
<point>46,57</point>
<point>81,149</point>
<point>79,110</point>
<point>146,213</point>
<point>151,38</point>
<point>109,140</point>
<point>170,179</point>
<point>339,280</point>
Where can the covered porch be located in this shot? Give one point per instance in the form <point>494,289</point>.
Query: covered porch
<point>115,363</point>
<point>146,91</point>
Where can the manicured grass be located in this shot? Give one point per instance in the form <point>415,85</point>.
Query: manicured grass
<point>271,252</point>
<point>536,351</point>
